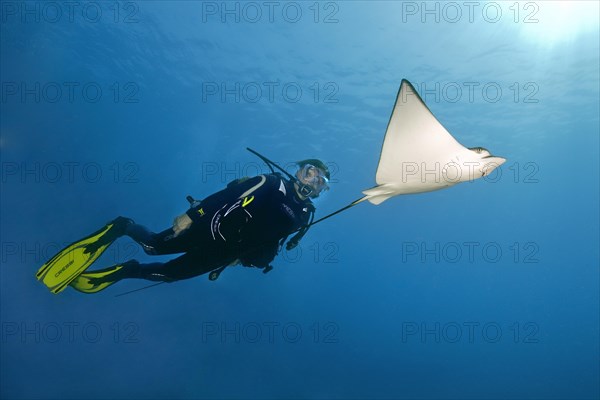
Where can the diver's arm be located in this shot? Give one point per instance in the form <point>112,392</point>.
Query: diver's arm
<point>233,190</point>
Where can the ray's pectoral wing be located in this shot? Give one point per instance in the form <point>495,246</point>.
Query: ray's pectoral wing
<point>414,139</point>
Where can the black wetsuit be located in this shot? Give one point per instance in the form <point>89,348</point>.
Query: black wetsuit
<point>246,221</point>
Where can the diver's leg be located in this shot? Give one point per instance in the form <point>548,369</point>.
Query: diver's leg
<point>164,242</point>
<point>189,265</point>
<point>98,280</point>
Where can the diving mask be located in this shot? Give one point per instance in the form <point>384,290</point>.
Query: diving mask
<point>312,181</point>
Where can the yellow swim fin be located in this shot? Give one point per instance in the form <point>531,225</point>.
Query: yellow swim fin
<point>96,281</point>
<point>65,266</point>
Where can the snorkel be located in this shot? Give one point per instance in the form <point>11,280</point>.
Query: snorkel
<point>303,189</point>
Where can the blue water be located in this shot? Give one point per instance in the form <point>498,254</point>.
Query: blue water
<point>489,289</point>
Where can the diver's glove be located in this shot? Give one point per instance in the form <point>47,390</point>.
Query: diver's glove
<point>291,244</point>
<point>180,224</point>
<point>267,269</point>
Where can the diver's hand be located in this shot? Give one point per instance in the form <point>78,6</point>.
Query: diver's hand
<point>181,223</point>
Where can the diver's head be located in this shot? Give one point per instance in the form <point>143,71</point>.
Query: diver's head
<point>313,178</point>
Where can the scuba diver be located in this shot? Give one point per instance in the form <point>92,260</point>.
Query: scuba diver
<point>246,223</point>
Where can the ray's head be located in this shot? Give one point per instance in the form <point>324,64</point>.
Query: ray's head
<point>488,162</point>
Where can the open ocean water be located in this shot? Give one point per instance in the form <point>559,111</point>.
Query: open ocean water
<point>489,289</point>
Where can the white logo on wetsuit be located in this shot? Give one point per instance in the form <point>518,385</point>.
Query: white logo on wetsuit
<point>282,187</point>
<point>215,225</point>
<point>288,210</point>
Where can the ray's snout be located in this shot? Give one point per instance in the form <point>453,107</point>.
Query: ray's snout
<point>490,163</point>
